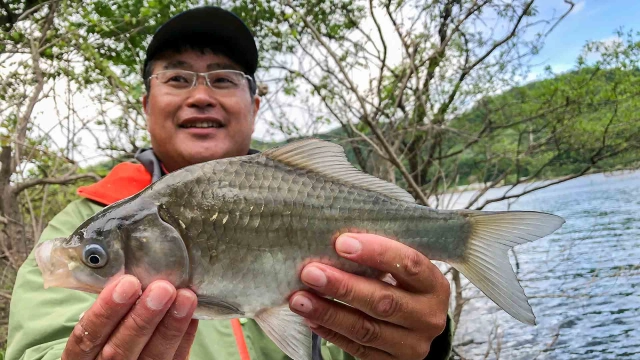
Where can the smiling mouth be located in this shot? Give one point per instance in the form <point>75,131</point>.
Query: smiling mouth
<point>202,125</point>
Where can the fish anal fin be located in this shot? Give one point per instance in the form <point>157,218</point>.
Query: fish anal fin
<point>287,330</point>
<point>486,261</point>
<point>329,160</point>
<point>218,306</point>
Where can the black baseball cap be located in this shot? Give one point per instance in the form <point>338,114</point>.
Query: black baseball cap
<point>207,27</point>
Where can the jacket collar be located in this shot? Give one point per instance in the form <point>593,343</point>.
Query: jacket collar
<point>151,163</point>
<point>154,166</point>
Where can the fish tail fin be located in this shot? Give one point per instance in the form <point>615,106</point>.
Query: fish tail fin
<point>486,261</point>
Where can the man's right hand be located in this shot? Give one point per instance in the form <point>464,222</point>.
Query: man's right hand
<point>124,324</point>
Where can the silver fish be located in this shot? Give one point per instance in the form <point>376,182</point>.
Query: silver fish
<point>237,231</point>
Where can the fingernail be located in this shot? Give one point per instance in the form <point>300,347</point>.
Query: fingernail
<point>301,303</point>
<point>125,290</point>
<point>183,303</point>
<point>314,277</point>
<point>348,246</point>
<point>159,295</point>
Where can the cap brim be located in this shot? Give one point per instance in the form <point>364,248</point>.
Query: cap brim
<point>208,27</point>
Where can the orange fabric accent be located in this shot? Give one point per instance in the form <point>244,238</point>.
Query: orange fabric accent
<point>124,180</point>
<point>242,345</point>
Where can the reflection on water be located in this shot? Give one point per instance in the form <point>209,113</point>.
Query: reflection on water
<point>583,281</point>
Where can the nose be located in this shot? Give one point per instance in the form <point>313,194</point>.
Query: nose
<point>201,96</point>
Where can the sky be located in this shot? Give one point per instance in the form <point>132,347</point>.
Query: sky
<point>590,20</point>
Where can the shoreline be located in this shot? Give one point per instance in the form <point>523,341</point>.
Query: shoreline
<point>480,186</point>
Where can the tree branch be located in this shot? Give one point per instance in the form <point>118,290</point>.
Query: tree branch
<point>24,119</point>
<point>505,39</point>
<point>58,181</point>
<point>383,141</point>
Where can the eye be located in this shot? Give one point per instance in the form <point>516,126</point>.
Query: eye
<point>223,79</point>
<point>94,256</point>
<point>178,79</point>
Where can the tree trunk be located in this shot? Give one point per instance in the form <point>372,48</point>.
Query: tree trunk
<point>12,236</point>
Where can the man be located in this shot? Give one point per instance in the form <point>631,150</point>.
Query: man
<point>191,120</point>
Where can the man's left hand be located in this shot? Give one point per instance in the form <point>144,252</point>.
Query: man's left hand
<point>383,321</point>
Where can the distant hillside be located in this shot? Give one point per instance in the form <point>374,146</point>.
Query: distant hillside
<point>588,101</point>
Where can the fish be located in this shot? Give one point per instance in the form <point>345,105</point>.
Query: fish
<point>238,231</point>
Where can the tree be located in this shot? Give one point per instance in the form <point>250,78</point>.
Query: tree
<point>83,60</point>
<point>90,54</point>
<point>418,91</point>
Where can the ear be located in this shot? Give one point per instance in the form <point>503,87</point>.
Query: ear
<point>145,103</point>
<point>256,108</point>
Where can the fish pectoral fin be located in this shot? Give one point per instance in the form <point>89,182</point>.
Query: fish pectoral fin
<point>218,305</point>
<point>287,330</point>
<point>329,160</point>
<point>486,260</point>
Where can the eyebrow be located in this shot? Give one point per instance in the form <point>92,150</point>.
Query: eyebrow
<point>180,64</point>
<point>177,64</point>
<point>222,66</point>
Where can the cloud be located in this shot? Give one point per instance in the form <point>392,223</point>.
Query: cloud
<point>611,40</point>
<point>578,7</point>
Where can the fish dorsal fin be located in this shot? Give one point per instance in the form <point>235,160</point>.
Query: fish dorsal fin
<point>329,160</point>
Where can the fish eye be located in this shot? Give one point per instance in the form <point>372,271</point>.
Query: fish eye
<point>94,256</point>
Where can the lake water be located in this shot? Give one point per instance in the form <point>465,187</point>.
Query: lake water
<point>583,281</point>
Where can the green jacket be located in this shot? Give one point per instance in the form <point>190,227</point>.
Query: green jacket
<point>40,320</point>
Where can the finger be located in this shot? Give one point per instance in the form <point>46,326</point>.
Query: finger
<point>358,351</point>
<point>187,341</point>
<point>128,340</point>
<point>413,271</point>
<point>169,332</point>
<point>98,322</point>
<point>376,298</point>
<point>353,324</point>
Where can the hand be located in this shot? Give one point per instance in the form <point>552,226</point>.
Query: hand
<point>125,324</point>
<point>384,321</point>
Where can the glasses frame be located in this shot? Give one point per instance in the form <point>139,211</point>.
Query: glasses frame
<point>204,75</point>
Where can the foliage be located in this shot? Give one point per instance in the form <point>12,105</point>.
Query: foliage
<point>555,143</point>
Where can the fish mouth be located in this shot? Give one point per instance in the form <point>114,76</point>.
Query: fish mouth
<point>43,254</point>
<point>57,269</point>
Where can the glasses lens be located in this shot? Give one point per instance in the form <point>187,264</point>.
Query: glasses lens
<point>226,79</point>
<point>178,79</point>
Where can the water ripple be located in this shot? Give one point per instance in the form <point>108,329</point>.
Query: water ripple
<point>583,281</point>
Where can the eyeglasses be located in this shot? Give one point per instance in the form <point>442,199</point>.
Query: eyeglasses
<point>225,80</point>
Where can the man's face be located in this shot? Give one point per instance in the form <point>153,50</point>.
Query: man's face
<point>175,117</point>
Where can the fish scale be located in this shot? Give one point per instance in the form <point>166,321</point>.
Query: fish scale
<point>238,231</point>
<point>329,207</point>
